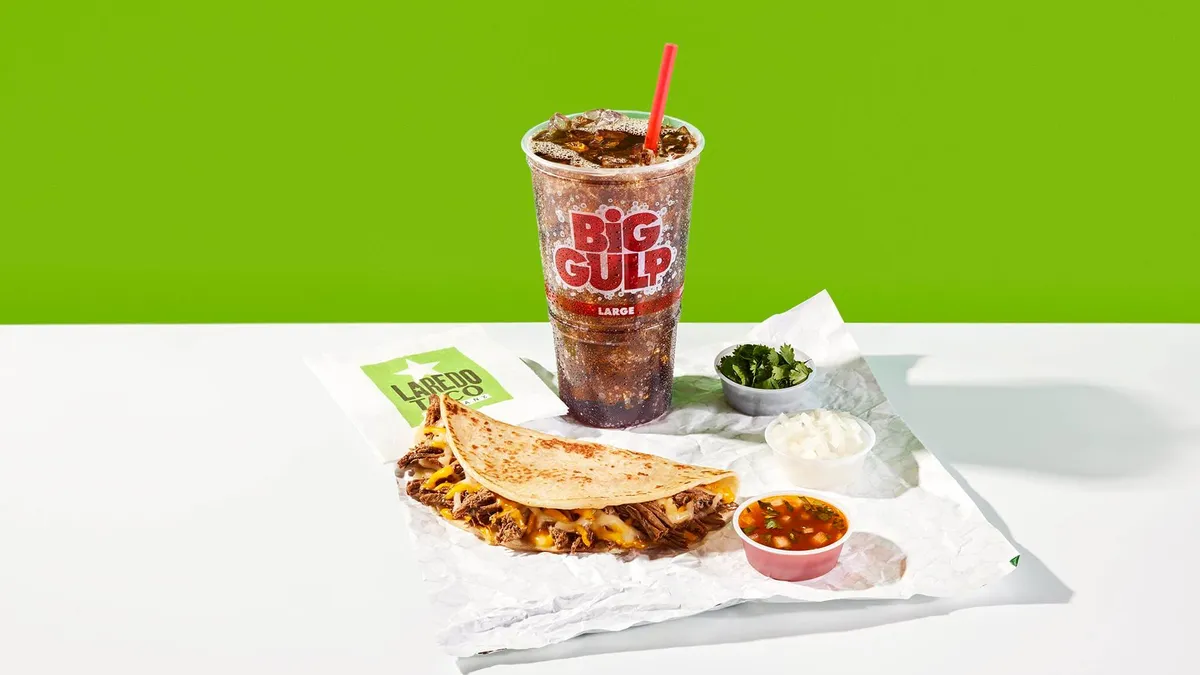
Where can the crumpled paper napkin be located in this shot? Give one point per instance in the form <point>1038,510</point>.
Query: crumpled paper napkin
<point>917,531</point>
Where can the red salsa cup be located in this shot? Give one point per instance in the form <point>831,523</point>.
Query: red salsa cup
<point>796,565</point>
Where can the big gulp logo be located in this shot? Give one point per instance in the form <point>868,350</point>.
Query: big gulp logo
<point>611,251</point>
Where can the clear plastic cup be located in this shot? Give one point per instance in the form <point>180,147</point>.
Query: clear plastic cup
<point>614,246</point>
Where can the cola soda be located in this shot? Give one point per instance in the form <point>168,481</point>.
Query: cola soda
<point>613,221</point>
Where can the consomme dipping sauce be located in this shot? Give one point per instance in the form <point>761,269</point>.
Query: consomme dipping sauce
<point>792,536</point>
<point>793,522</point>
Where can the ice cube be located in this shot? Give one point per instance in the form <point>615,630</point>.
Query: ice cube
<point>608,139</point>
<point>559,122</point>
<point>608,119</point>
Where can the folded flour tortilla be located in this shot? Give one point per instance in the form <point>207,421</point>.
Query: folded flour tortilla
<point>526,490</point>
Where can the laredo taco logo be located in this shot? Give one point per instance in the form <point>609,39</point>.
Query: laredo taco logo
<point>410,382</point>
<point>611,251</point>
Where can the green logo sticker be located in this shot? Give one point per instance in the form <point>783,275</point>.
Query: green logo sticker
<point>411,381</point>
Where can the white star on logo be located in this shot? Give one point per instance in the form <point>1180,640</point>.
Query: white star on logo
<point>419,370</point>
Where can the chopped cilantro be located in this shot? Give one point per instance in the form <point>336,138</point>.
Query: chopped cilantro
<point>761,367</point>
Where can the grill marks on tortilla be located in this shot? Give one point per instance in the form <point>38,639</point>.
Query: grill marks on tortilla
<point>546,471</point>
<point>582,449</point>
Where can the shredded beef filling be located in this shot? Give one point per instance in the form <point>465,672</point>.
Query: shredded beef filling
<point>434,498</point>
<point>702,498</point>
<point>716,519</point>
<point>422,455</point>
<point>475,502</point>
<point>484,513</point>
<point>508,529</point>
<point>648,517</point>
<point>568,541</point>
<point>433,413</point>
<point>482,508</point>
<point>685,534</point>
<point>708,515</point>
<point>562,539</point>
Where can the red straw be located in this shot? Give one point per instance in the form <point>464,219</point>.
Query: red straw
<point>660,97</point>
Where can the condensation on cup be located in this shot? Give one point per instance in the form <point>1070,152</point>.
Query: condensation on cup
<point>613,222</point>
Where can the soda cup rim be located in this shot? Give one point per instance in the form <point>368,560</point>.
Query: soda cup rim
<point>664,167</point>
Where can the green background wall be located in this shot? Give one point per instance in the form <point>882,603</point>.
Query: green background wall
<point>1026,160</point>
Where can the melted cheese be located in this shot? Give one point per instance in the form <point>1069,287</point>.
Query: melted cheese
<point>611,528</point>
<point>556,515</point>
<point>576,521</point>
<point>723,487</point>
<point>542,541</point>
<point>675,514</point>
<point>462,486</point>
<point>438,443</point>
<point>509,508</point>
<point>431,430</point>
<point>436,476</point>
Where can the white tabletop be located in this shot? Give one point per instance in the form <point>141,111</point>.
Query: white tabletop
<point>188,499</point>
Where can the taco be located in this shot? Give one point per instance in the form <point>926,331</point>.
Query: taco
<point>526,490</point>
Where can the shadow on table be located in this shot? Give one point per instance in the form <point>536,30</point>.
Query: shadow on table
<point>545,375</point>
<point>1076,430</point>
<point>1073,430</point>
<point>1062,429</point>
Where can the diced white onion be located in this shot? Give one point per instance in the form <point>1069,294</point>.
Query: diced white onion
<point>818,434</point>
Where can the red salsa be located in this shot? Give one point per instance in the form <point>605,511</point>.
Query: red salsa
<point>793,522</point>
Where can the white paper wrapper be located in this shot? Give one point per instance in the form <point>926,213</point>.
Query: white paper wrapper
<point>918,532</point>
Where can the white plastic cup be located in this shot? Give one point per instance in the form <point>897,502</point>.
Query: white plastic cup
<point>822,474</point>
<point>762,402</point>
